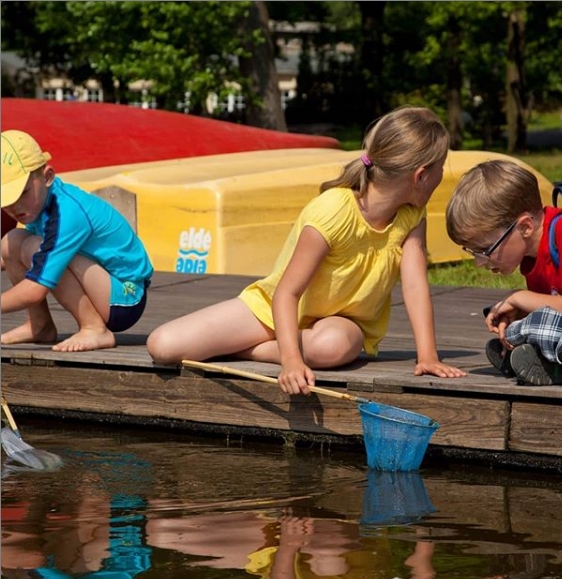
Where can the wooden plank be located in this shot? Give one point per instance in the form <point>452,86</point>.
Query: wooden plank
<point>536,428</point>
<point>171,295</point>
<point>480,502</point>
<point>363,376</point>
<point>464,422</point>
<point>535,513</point>
<point>475,412</point>
<point>482,506</point>
<point>232,402</point>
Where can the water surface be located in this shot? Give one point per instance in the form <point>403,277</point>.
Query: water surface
<point>155,504</point>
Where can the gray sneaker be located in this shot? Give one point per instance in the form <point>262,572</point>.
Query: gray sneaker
<point>533,369</point>
<point>499,358</point>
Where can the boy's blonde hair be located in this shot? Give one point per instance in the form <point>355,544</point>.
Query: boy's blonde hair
<point>399,143</point>
<point>492,195</point>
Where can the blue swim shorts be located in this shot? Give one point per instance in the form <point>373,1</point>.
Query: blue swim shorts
<point>121,318</point>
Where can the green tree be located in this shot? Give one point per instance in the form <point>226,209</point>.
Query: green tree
<point>180,48</point>
<point>372,54</point>
<point>257,66</point>
<point>544,52</point>
<point>492,58</point>
<point>454,45</point>
<point>517,95</point>
<point>453,56</point>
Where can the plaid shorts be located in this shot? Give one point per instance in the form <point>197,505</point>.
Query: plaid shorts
<point>541,328</point>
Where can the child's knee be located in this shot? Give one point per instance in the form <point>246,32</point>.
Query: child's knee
<point>19,244</point>
<point>334,348</point>
<point>153,344</point>
<point>30,246</point>
<point>11,244</point>
<point>161,346</point>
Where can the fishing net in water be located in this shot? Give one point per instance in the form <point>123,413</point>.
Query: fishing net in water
<point>395,439</point>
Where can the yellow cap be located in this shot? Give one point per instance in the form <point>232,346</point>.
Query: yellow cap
<point>20,156</point>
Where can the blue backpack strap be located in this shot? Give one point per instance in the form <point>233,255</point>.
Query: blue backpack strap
<point>552,241</point>
<point>555,192</point>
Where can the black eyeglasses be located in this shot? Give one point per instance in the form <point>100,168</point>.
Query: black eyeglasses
<point>488,252</point>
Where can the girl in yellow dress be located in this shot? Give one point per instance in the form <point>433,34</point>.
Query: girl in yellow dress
<point>329,295</point>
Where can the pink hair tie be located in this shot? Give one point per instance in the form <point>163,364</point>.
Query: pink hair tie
<point>366,161</point>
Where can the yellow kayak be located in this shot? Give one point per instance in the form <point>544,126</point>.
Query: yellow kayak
<point>231,213</point>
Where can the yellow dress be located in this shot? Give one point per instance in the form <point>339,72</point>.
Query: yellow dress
<point>355,279</point>
<point>371,559</point>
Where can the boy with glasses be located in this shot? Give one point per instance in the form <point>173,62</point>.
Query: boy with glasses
<point>496,214</point>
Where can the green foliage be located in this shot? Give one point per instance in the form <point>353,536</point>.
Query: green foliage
<point>549,163</point>
<point>343,15</point>
<point>181,47</point>
<point>543,54</point>
<point>465,273</point>
<point>177,47</point>
<point>545,119</point>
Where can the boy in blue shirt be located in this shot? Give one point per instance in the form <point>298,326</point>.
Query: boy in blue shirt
<point>75,246</point>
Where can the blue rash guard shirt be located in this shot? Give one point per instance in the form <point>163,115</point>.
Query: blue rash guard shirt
<point>76,222</point>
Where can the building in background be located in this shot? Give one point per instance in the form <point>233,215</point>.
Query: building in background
<point>19,80</point>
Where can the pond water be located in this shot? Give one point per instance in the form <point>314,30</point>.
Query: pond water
<point>158,504</point>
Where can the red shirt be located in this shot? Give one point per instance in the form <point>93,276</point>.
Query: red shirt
<point>541,274</point>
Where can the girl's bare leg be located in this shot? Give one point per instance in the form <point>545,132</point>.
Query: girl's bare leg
<point>217,330</point>
<point>17,248</point>
<point>330,342</point>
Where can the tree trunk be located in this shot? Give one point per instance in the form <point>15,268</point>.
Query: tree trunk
<point>454,86</point>
<point>110,94</point>
<point>264,111</point>
<point>372,57</point>
<point>516,92</point>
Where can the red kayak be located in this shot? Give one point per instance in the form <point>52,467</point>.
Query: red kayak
<point>82,135</point>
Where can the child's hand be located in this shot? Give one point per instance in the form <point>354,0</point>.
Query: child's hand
<point>294,531</point>
<point>437,368</point>
<point>500,316</point>
<point>296,377</point>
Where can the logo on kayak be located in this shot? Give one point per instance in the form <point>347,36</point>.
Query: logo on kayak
<point>193,251</point>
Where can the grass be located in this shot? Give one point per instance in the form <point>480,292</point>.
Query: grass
<point>549,163</point>
<point>465,273</point>
<point>545,120</point>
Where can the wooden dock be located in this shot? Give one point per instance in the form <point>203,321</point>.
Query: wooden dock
<point>483,417</point>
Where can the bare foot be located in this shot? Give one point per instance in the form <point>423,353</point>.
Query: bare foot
<point>25,334</point>
<point>87,339</point>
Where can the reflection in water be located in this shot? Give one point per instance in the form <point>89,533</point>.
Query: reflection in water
<point>94,531</point>
<point>394,498</point>
<point>127,504</point>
